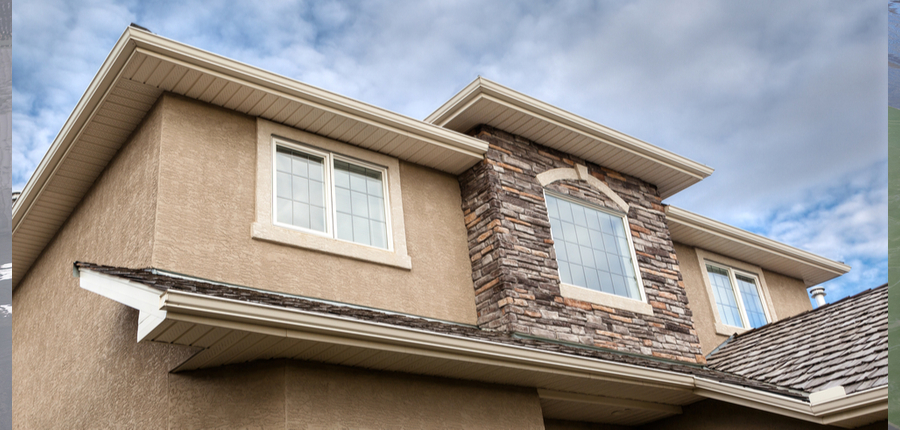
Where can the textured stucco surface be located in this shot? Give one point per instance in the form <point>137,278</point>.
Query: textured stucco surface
<point>298,395</point>
<point>76,363</point>
<point>714,415</point>
<point>206,209</point>
<point>788,296</point>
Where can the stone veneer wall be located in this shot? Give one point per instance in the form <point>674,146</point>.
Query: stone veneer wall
<point>514,265</point>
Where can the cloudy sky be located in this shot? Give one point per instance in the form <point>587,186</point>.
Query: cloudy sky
<point>786,100</point>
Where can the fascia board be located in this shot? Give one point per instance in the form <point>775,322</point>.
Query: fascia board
<point>281,85</point>
<point>84,110</point>
<point>484,88</point>
<point>852,405</point>
<point>832,411</point>
<point>267,318</point>
<point>746,238</point>
<point>755,399</point>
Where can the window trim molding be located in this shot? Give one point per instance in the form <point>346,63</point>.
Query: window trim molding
<point>640,306</point>
<point>735,266</point>
<point>266,229</point>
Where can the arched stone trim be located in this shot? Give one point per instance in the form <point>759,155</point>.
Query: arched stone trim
<point>580,172</point>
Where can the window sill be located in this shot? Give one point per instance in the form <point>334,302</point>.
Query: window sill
<point>327,245</point>
<point>605,299</point>
<point>727,330</point>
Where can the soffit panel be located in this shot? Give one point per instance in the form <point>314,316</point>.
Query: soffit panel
<point>224,346</point>
<point>616,415</point>
<point>485,102</point>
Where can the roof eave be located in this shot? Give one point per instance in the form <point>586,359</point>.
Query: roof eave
<point>184,308</point>
<point>691,171</point>
<point>819,269</point>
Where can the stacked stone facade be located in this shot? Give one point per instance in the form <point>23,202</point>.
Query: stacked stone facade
<point>514,269</point>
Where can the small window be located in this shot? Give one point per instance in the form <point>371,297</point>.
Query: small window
<point>738,298</point>
<point>593,248</point>
<point>327,194</point>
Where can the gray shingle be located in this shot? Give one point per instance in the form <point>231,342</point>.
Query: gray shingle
<point>843,343</point>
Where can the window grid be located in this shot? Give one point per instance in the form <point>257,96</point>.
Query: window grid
<point>592,248</point>
<point>359,204</point>
<point>354,201</point>
<point>744,290</point>
<point>300,194</point>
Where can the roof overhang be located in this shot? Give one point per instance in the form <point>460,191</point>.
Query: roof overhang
<point>142,66</point>
<point>486,102</point>
<point>226,331</point>
<point>701,232</point>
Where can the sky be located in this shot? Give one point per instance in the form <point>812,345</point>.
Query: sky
<point>786,100</point>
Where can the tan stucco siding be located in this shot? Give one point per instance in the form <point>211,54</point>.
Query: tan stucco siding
<point>76,362</point>
<point>788,296</point>
<point>300,395</point>
<point>207,207</point>
<point>701,306</point>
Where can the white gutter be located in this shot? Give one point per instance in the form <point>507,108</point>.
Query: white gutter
<point>829,411</point>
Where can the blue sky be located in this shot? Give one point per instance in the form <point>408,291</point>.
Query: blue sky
<point>786,100</point>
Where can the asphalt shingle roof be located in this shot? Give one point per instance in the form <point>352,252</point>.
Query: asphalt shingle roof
<point>842,343</point>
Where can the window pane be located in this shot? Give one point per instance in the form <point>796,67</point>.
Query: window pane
<point>301,215</point>
<point>374,186</point>
<point>361,231</point>
<point>725,301</point>
<point>284,185</point>
<point>359,192</point>
<point>752,302</point>
<point>379,234</point>
<point>285,212</point>
<point>283,160</point>
<point>295,190</point>
<point>588,258</point>
<point>344,226</point>
<point>317,218</point>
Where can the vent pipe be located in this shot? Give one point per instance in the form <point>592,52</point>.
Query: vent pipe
<point>818,294</point>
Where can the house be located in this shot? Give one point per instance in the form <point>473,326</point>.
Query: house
<point>210,245</point>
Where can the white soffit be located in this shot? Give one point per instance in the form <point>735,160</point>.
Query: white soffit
<point>486,102</point>
<point>142,66</point>
<point>701,232</point>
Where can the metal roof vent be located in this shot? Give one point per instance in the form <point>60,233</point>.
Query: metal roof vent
<point>818,293</point>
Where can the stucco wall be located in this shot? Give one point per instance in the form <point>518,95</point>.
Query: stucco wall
<point>207,206</point>
<point>76,363</point>
<point>788,296</point>
<point>299,395</point>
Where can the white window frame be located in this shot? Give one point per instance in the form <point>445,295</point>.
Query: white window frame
<point>577,292</point>
<point>328,177</point>
<point>734,267</point>
<point>266,228</point>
